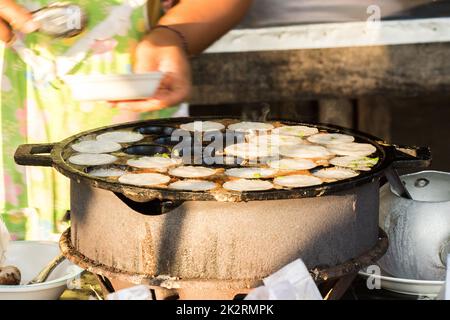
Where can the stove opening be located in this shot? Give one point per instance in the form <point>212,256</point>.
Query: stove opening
<point>150,208</point>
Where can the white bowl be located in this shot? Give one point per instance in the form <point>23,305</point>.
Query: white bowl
<point>113,87</point>
<point>31,257</point>
<point>407,286</point>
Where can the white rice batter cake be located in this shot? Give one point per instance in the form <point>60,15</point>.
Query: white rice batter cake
<point>144,179</point>
<point>304,151</point>
<point>352,149</point>
<point>121,136</point>
<point>193,185</point>
<point>107,172</point>
<point>243,185</point>
<point>202,126</point>
<point>330,138</point>
<point>157,163</point>
<point>90,159</point>
<point>292,164</point>
<point>251,173</point>
<point>297,131</point>
<point>297,181</point>
<point>274,140</point>
<point>192,172</point>
<point>336,173</point>
<point>251,151</point>
<point>95,146</point>
<point>355,162</point>
<point>250,126</point>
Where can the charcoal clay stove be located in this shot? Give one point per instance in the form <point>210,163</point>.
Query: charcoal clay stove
<point>217,245</point>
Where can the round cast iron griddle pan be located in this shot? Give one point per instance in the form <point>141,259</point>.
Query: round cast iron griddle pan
<point>56,154</point>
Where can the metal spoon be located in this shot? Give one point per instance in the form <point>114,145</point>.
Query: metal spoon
<point>397,184</point>
<point>61,20</point>
<point>45,273</point>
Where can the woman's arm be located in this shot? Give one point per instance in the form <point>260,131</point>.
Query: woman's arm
<point>200,22</point>
<point>204,21</point>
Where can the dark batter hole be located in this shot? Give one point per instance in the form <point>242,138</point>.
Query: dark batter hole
<point>146,150</point>
<point>167,140</point>
<point>159,130</point>
<point>208,157</point>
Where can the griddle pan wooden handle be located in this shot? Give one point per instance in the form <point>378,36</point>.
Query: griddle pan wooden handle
<point>34,155</point>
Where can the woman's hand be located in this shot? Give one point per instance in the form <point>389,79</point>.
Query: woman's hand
<point>162,50</point>
<point>14,17</point>
<point>201,22</point>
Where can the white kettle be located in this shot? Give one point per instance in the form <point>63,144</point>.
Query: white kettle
<point>418,229</point>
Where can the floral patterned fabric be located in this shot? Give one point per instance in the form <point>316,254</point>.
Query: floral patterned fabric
<point>36,114</point>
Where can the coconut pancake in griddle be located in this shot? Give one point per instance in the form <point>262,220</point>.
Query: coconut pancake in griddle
<point>250,126</point>
<point>202,126</point>
<point>144,179</point>
<point>297,181</point>
<point>292,164</point>
<point>352,149</point>
<point>304,151</point>
<point>335,173</point>
<point>193,185</point>
<point>95,146</point>
<point>155,162</point>
<point>274,140</point>
<point>297,131</point>
<point>251,151</point>
<point>355,162</point>
<point>120,136</point>
<point>251,173</point>
<point>330,138</point>
<point>243,185</point>
<point>107,172</point>
<point>91,159</point>
<point>192,172</point>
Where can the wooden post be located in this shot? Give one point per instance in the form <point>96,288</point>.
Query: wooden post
<point>374,116</point>
<point>336,111</point>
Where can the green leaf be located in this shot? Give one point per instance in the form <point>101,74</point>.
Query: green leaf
<point>163,155</point>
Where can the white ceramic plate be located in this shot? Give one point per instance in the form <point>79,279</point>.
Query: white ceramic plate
<point>113,87</point>
<point>407,286</point>
<point>31,257</point>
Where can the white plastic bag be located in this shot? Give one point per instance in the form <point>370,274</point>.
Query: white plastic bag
<point>292,282</point>
<point>140,292</point>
